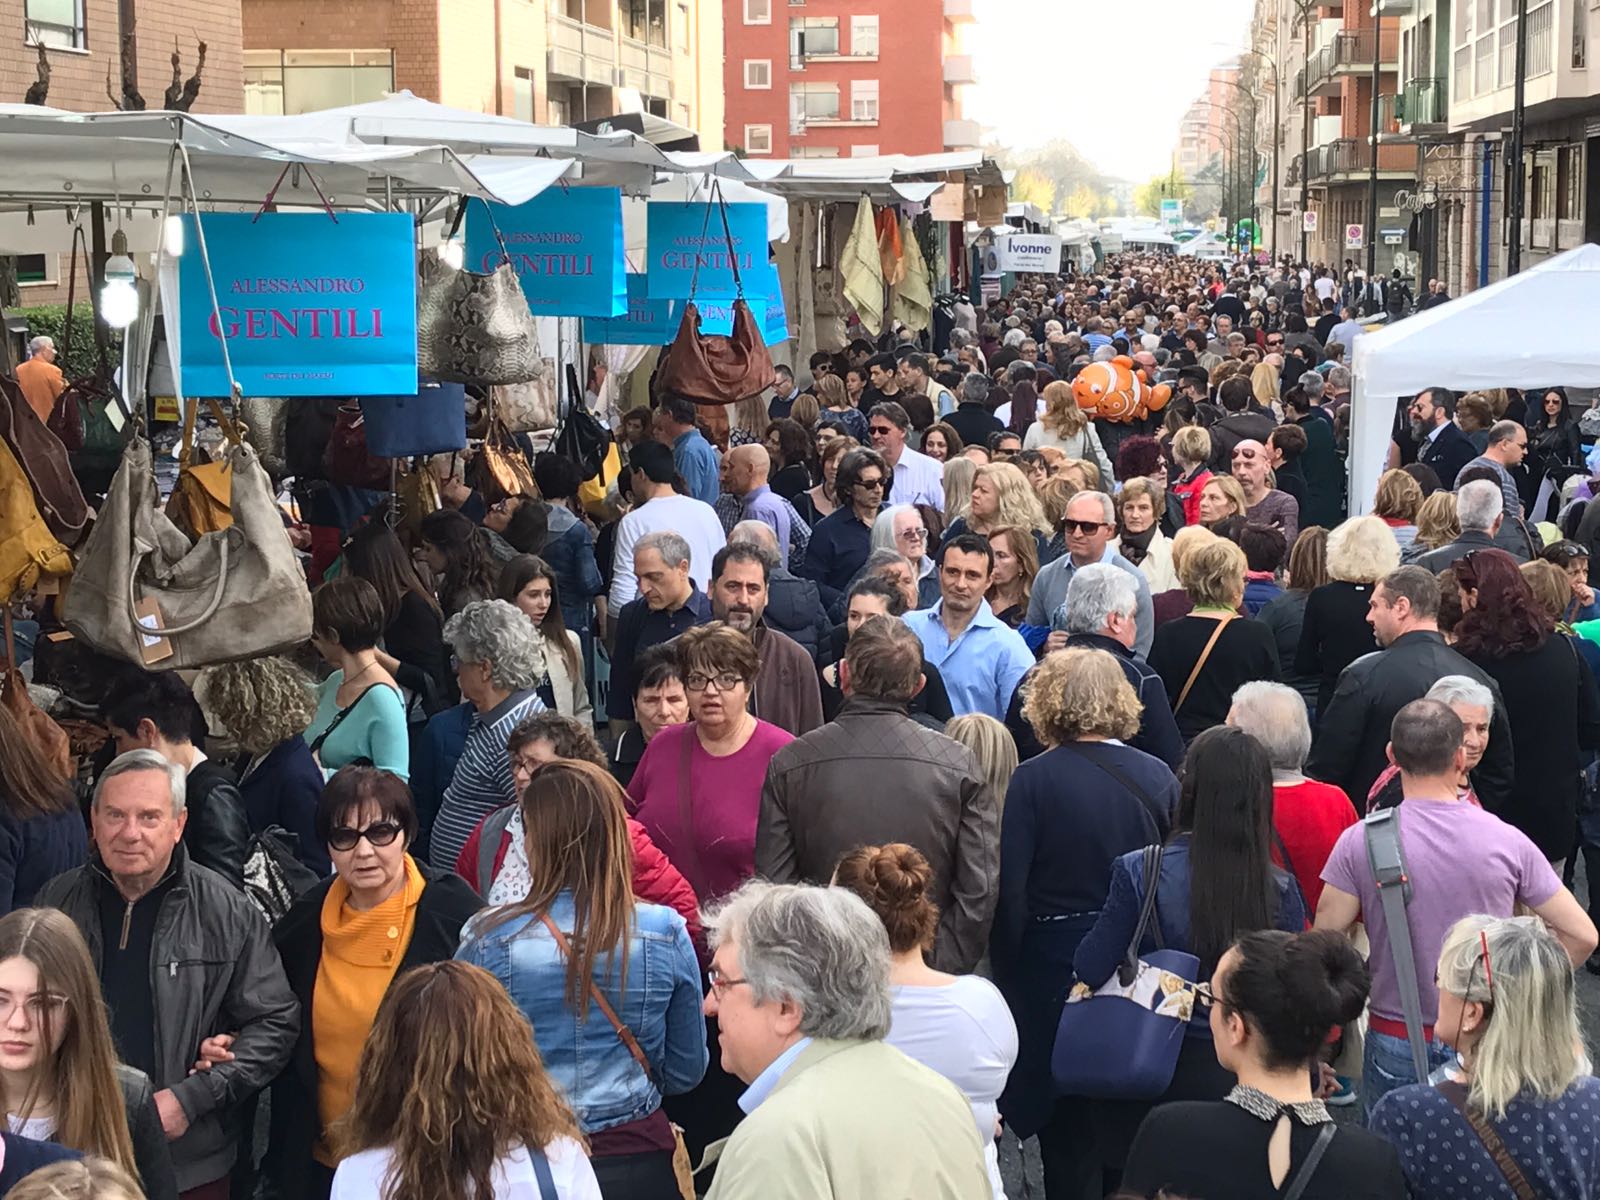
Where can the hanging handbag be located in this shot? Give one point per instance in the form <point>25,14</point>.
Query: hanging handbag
<point>416,494</point>
<point>433,421</point>
<point>50,739</point>
<point>1120,1041</point>
<point>475,328</point>
<point>717,370</point>
<point>349,459</point>
<point>581,437</point>
<point>529,407</point>
<point>500,469</point>
<point>264,422</point>
<point>43,459</point>
<point>66,418</point>
<point>145,594</point>
<point>199,503</point>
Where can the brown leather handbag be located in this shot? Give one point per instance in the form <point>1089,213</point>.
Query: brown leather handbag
<point>200,503</point>
<point>44,461</point>
<point>502,468</point>
<point>717,369</point>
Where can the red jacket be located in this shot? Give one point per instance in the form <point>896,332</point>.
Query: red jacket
<point>1188,490</point>
<point>655,880</point>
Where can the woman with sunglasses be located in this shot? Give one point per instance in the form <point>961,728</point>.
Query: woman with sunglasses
<point>841,541</point>
<point>1270,1002</point>
<point>1507,1008</point>
<point>343,944</point>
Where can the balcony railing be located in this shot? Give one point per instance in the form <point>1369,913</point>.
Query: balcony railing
<point>1350,50</point>
<point>1422,102</point>
<point>581,52</point>
<point>645,67</point>
<point>1352,157</point>
<point>962,134</point>
<point>959,11</point>
<point>958,68</point>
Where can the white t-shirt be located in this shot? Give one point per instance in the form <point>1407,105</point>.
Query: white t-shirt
<point>40,1129</point>
<point>693,520</point>
<point>1325,287</point>
<point>918,479</point>
<point>965,1032</point>
<point>360,1177</point>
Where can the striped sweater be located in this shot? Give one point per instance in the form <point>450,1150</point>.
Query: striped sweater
<point>482,780</point>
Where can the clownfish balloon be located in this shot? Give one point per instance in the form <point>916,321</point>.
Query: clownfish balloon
<point>1116,390</point>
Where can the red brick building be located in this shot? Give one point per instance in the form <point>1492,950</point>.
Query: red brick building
<point>846,78</point>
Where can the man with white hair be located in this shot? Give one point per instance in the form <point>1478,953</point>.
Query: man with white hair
<point>40,379</point>
<point>1307,816</point>
<point>1089,524</point>
<point>800,992</point>
<point>182,957</point>
<point>1480,507</point>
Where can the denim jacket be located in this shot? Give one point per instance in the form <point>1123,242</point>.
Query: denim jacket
<point>661,1005</point>
<point>570,554</point>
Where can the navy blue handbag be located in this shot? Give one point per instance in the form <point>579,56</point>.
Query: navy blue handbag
<point>1120,1041</point>
<point>431,422</point>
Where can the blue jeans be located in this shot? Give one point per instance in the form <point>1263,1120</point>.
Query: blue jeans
<point>1386,1065</point>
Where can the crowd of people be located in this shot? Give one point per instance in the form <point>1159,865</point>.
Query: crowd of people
<point>760,829</point>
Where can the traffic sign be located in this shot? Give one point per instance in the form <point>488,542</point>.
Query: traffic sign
<point>1353,239</point>
<point>1308,220</point>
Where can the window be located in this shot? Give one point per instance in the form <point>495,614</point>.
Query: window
<point>1569,184</point>
<point>816,152</point>
<point>758,139</point>
<point>522,94</point>
<point>56,23</point>
<point>1541,195</point>
<point>758,12</point>
<point>290,82</point>
<point>868,151</point>
<point>810,37</point>
<point>758,74</point>
<point>809,102</point>
<point>863,99</point>
<point>864,37</point>
<point>33,268</point>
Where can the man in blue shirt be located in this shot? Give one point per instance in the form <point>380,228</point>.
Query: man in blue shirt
<point>693,456</point>
<point>746,497</point>
<point>980,657</point>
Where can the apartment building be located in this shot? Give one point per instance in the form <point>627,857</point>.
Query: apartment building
<point>554,62</point>
<point>847,78</point>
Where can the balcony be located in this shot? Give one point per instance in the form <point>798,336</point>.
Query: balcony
<point>581,53</point>
<point>959,12</point>
<point>958,69</point>
<point>645,67</point>
<point>1350,161</point>
<point>1420,109</point>
<point>1349,52</point>
<point>962,135</point>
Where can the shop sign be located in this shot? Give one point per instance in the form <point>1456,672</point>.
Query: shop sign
<point>690,252</point>
<point>565,245</point>
<point>309,306</point>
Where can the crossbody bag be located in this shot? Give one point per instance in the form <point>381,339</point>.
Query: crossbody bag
<point>339,720</point>
<point>1456,1093</point>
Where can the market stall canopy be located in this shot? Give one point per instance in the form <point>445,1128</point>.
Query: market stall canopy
<point>1498,336</point>
<point>696,189</point>
<point>658,131</point>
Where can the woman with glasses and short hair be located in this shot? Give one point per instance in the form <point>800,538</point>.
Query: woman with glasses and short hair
<point>841,541</point>
<point>1507,1008</point>
<point>343,944</point>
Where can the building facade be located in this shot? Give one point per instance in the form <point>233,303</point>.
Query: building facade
<point>847,78</point>
<point>554,62</point>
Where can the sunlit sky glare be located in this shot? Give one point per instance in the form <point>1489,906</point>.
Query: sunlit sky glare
<point>1114,77</point>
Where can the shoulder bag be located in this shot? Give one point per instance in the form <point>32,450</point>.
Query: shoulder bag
<point>348,459</point>
<point>43,459</point>
<point>273,877</point>
<point>1211,644</point>
<point>529,407</point>
<point>581,437</point>
<point>433,421</point>
<point>1120,1041</point>
<point>146,594</point>
<point>199,504</point>
<point>475,328</point>
<point>338,720</point>
<point>1456,1093</point>
<point>27,547</point>
<point>1157,816</point>
<point>500,468</point>
<point>681,1166</point>
<point>1302,1178</point>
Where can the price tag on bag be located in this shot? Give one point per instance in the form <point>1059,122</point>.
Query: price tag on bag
<point>152,646</point>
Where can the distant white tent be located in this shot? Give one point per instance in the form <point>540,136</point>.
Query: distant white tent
<point>1532,329</point>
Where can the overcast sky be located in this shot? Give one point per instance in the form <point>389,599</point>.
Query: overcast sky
<point>1114,77</point>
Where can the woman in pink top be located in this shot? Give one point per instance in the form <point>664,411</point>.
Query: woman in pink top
<point>697,790</point>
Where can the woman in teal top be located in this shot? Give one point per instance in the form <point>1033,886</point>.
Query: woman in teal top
<point>360,717</point>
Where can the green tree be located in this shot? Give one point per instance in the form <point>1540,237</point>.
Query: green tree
<point>1147,197</point>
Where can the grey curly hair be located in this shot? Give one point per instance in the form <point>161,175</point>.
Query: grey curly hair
<point>261,701</point>
<point>497,633</point>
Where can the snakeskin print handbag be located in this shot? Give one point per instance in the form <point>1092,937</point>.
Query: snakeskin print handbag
<point>474,328</point>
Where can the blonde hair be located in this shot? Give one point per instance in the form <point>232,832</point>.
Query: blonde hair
<point>1062,416</point>
<point>1025,550</point>
<point>88,1178</point>
<point>750,415</point>
<point>1078,692</point>
<point>1264,385</point>
<point>1399,496</point>
<point>1362,550</point>
<point>1213,574</point>
<point>1550,586</point>
<point>806,410</point>
<point>1530,1038</point>
<point>1191,446</point>
<point>1231,488</point>
<point>1054,496</point>
<point>262,702</point>
<point>1437,521</point>
<point>1018,506</point>
<point>959,473</point>
<point>1088,470</point>
<point>992,745</point>
<point>1190,537</point>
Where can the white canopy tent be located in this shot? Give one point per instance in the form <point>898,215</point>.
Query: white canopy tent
<point>1497,336</point>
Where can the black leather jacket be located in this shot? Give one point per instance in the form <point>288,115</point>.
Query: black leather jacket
<point>218,831</point>
<point>151,1151</point>
<point>213,970</point>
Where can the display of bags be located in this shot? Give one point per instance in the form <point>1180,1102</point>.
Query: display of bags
<point>43,459</point>
<point>199,503</point>
<point>433,421</point>
<point>348,458</point>
<point>1121,1040</point>
<point>475,328</point>
<point>529,407</point>
<point>146,594</point>
<point>581,437</point>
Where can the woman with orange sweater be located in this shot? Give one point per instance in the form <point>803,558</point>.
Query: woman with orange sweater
<point>343,944</point>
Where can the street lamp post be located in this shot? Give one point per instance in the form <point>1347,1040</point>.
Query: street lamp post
<point>1514,151</point>
<point>1372,171</point>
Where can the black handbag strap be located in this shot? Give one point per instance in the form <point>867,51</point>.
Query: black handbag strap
<point>342,714</point>
<point>1302,1178</point>
<point>1147,913</point>
<point>461,212</point>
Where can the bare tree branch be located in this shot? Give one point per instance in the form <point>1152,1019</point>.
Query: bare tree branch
<point>131,99</point>
<point>39,91</point>
<point>191,87</point>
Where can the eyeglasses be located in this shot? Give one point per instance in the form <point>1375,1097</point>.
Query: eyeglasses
<point>1274,341</point>
<point>913,535</point>
<point>871,485</point>
<point>1085,527</point>
<point>726,681</point>
<point>1207,996</point>
<point>720,983</point>
<point>379,833</point>
<point>36,1006</point>
<point>525,766</point>
<point>880,430</point>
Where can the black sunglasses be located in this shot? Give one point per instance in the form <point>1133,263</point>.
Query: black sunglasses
<point>379,833</point>
<point>1082,526</point>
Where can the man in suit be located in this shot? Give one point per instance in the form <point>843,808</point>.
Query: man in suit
<point>1440,442</point>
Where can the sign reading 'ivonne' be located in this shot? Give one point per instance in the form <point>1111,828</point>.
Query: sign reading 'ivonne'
<point>309,307</point>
